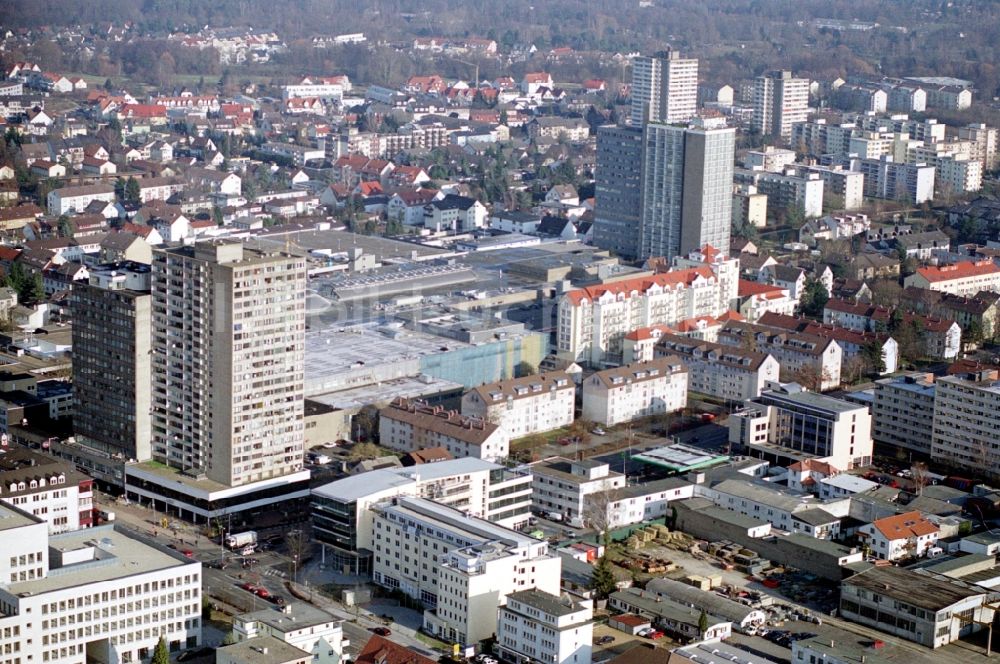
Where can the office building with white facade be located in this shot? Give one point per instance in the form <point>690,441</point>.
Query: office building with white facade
<point>99,594</point>
<point>787,424</point>
<point>574,489</point>
<point>342,520</point>
<point>535,626</point>
<point>626,393</point>
<point>460,568</point>
<point>523,406</point>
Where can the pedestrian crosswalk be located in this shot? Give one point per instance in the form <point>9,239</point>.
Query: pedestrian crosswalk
<point>270,571</point>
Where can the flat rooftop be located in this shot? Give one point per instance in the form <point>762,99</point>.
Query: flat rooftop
<point>263,650</point>
<point>293,616</point>
<point>472,527</point>
<point>365,484</point>
<point>120,555</point>
<point>680,457</point>
<point>387,391</point>
<point>341,240</point>
<point>14,518</point>
<point>333,354</point>
<point>921,590</point>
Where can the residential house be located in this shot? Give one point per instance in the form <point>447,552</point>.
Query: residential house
<point>407,426</point>
<point>965,278</point>
<point>454,214</point>
<point>723,372</point>
<point>535,626</point>
<point>907,535</point>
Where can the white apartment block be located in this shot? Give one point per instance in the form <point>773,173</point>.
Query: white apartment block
<point>535,626</point>
<point>800,356</point>
<point>228,361</point>
<point>406,426</point>
<point>903,412</point>
<point>573,489</point>
<point>75,199</point>
<point>300,625</point>
<point>787,423</point>
<point>770,159</point>
<point>848,185</point>
<point>887,179</point>
<point>966,421</point>
<point>593,321</point>
<point>318,90</point>
<point>523,406</point>
<point>958,174</point>
<point>91,595</point>
<point>779,101</point>
<point>664,89</point>
<point>48,488</point>
<point>342,520</point>
<point>720,371</point>
<point>638,390</point>
<point>984,143</point>
<point>461,568</point>
<point>787,189</point>
<point>965,278</point>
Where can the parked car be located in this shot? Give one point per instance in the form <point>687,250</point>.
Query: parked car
<point>655,634</point>
<point>604,640</point>
<point>194,653</point>
<point>382,631</point>
<point>277,600</point>
<point>262,593</point>
<point>598,431</point>
<point>645,631</point>
<point>249,587</point>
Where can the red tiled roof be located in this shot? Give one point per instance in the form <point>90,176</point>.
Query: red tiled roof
<point>960,270</point>
<point>664,280</point>
<point>643,333</point>
<point>904,526</point>
<point>380,650</point>
<point>748,288</point>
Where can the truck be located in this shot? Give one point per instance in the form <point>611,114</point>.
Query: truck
<point>241,540</point>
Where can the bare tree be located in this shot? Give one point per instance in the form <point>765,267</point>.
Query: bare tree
<point>299,550</point>
<point>599,509</point>
<point>920,477</point>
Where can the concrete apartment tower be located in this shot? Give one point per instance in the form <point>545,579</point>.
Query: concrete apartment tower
<point>687,181</point>
<point>664,88</point>
<point>228,361</point>
<point>779,101</point>
<point>112,362</point>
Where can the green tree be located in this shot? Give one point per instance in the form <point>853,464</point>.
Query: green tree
<point>217,216</point>
<point>702,623</point>
<point>65,227</point>
<point>814,298</point>
<point>229,639</point>
<point>602,582</point>
<point>36,290</point>
<point>872,353</point>
<point>524,368</point>
<point>133,193</point>
<point>160,653</point>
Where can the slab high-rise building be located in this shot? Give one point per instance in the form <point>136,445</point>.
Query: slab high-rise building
<point>112,377</point>
<point>664,88</point>
<point>228,362</point>
<point>618,189</point>
<point>779,101</point>
<point>687,181</point>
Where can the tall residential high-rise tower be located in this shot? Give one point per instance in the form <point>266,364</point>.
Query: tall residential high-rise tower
<point>111,362</point>
<point>664,88</point>
<point>618,189</point>
<point>228,362</point>
<point>779,100</point>
<point>687,181</point>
